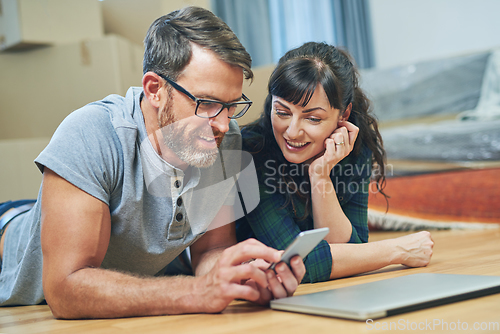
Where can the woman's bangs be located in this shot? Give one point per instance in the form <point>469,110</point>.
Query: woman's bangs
<point>295,83</point>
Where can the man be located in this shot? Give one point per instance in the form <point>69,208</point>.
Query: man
<point>120,180</point>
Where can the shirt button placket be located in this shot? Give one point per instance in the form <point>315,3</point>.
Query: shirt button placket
<point>176,230</point>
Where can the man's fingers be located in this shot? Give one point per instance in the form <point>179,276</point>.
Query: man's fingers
<point>265,295</point>
<point>288,279</point>
<point>245,291</point>
<point>261,285</point>
<point>275,286</point>
<point>246,272</point>
<point>298,268</point>
<point>247,250</point>
<point>261,264</point>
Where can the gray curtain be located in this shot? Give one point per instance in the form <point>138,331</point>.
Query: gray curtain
<point>294,22</point>
<point>353,30</point>
<point>250,22</point>
<point>269,28</point>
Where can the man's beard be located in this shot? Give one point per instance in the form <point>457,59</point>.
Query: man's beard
<point>182,142</point>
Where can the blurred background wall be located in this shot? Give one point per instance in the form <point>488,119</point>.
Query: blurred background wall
<point>409,31</point>
<point>58,55</point>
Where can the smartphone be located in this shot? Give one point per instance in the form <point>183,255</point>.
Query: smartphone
<point>304,243</point>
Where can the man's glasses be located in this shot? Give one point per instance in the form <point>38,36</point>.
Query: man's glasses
<point>210,108</point>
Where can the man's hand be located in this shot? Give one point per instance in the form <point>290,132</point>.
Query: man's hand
<point>281,283</point>
<point>224,282</point>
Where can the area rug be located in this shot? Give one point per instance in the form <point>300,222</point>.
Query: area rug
<point>464,199</point>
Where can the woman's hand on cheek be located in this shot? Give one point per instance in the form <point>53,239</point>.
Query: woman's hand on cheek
<point>337,147</point>
<point>343,138</point>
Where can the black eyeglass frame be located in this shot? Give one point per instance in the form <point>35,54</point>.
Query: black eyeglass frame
<point>198,101</point>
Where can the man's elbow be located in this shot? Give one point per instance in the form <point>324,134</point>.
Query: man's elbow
<point>59,312</point>
<point>59,306</point>
<point>61,299</point>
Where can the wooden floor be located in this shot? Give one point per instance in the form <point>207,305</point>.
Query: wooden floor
<point>460,252</point>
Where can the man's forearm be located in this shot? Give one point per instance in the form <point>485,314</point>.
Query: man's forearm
<point>207,261</point>
<point>100,293</point>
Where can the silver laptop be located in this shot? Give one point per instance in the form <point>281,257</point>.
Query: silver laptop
<point>391,296</point>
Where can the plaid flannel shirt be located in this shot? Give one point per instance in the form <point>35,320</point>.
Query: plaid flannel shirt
<point>277,226</point>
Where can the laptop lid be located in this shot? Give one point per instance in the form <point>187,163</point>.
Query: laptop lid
<point>391,296</point>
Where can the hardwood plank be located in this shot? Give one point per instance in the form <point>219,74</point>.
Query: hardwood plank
<point>459,252</point>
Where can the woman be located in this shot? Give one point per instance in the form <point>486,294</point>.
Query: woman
<point>314,147</point>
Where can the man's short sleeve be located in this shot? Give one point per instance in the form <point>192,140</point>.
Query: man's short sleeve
<point>85,151</point>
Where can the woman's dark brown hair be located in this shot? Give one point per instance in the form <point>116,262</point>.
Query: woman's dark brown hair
<point>295,78</point>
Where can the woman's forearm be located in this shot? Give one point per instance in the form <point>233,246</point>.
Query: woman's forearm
<point>352,259</point>
<point>413,250</point>
<point>327,212</point>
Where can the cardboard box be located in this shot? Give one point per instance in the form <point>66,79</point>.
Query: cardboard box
<point>19,176</point>
<point>25,23</point>
<point>132,18</point>
<point>38,88</point>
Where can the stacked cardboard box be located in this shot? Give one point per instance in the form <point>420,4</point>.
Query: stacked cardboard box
<point>132,18</point>
<point>40,87</point>
<point>54,58</point>
<point>26,23</point>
